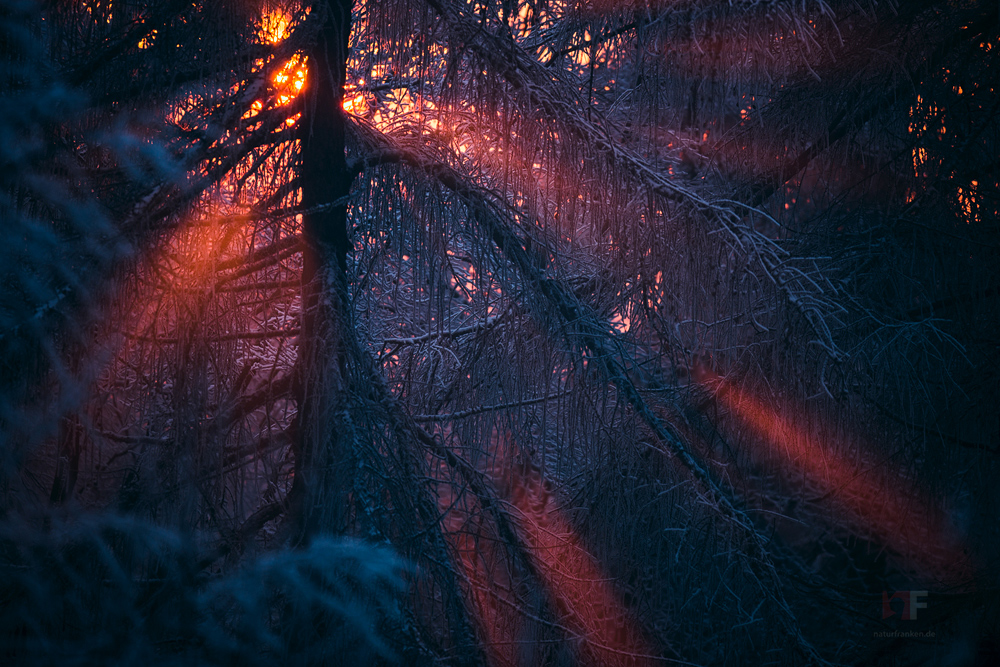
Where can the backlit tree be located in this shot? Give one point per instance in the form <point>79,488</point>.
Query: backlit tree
<point>637,331</point>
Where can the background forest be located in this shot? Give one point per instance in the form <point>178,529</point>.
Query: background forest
<point>503,332</point>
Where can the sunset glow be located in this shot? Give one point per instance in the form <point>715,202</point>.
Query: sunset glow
<point>875,500</point>
<point>577,587</point>
<point>579,592</point>
<point>487,586</point>
<point>522,333</point>
<point>274,26</point>
<point>575,584</point>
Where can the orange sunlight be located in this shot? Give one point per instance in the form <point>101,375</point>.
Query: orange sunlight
<point>578,591</point>
<point>577,588</point>
<point>486,582</point>
<point>274,26</point>
<point>288,81</point>
<point>876,499</point>
<point>487,585</point>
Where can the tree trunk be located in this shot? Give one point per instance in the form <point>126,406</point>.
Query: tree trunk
<point>319,490</point>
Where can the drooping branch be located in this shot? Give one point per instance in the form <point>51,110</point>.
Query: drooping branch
<point>541,88</point>
<point>589,336</point>
<point>861,109</point>
<point>141,29</point>
<point>462,331</point>
<point>462,414</point>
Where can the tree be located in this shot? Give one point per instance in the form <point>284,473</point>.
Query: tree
<point>616,321</point>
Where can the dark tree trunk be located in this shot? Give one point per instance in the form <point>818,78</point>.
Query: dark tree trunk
<point>319,491</point>
<point>69,445</point>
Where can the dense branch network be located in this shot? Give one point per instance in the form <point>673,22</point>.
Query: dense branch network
<point>535,292</point>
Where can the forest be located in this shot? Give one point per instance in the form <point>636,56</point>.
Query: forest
<point>499,332</point>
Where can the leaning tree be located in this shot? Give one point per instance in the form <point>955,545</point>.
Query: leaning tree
<point>497,332</point>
